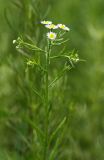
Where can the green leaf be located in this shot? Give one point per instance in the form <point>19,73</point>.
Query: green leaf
<point>32,47</point>
<point>59,127</point>
<point>58,140</point>
<point>56,44</point>
<point>37,93</point>
<point>23,53</point>
<point>59,75</point>
<point>39,132</point>
<point>29,38</point>
<point>59,39</point>
<point>33,63</point>
<point>20,44</point>
<point>54,150</point>
<point>61,56</point>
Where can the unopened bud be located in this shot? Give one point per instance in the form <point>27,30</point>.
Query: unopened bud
<point>14,41</point>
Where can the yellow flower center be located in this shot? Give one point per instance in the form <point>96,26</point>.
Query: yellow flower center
<point>51,35</point>
<point>51,26</point>
<point>62,26</point>
<point>46,22</point>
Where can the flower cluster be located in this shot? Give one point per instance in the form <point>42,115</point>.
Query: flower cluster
<point>52,35</point>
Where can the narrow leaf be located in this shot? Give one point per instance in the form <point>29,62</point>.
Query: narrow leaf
<point>17,4</point>
<point>59,127</point>
<point>54,150</point>
<point>37,93</point>
<point>37,129</point>
<point>59,76</point>
<point>32,47</point>
<point>23,53</point>
<point>61,42</point>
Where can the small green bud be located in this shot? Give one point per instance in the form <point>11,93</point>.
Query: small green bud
<point>30,63</point>
<point>18,39</point>
<point>17,47</point>
<point>14,41</point>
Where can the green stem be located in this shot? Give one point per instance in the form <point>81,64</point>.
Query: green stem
<point>46,101</point>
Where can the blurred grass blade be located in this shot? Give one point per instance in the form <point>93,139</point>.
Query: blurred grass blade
<point>35,8</point>
<point>17,4</point>
<point>47,12</point>
<point>29,38</point>
<point>21,135</point>
<point>23,53</point>
<point>8,21</point>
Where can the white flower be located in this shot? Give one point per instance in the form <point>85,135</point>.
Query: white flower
<point>46,22</point>
<point>51,26</point>
<point>51,35</point>
<point>62,26</point>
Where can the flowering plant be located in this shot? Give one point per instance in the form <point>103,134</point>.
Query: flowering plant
<point>54,37</point>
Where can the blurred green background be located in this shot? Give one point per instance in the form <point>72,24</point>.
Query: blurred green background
<point>79,94</point>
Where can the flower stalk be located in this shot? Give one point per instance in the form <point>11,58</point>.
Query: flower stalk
<point>47,100</point>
